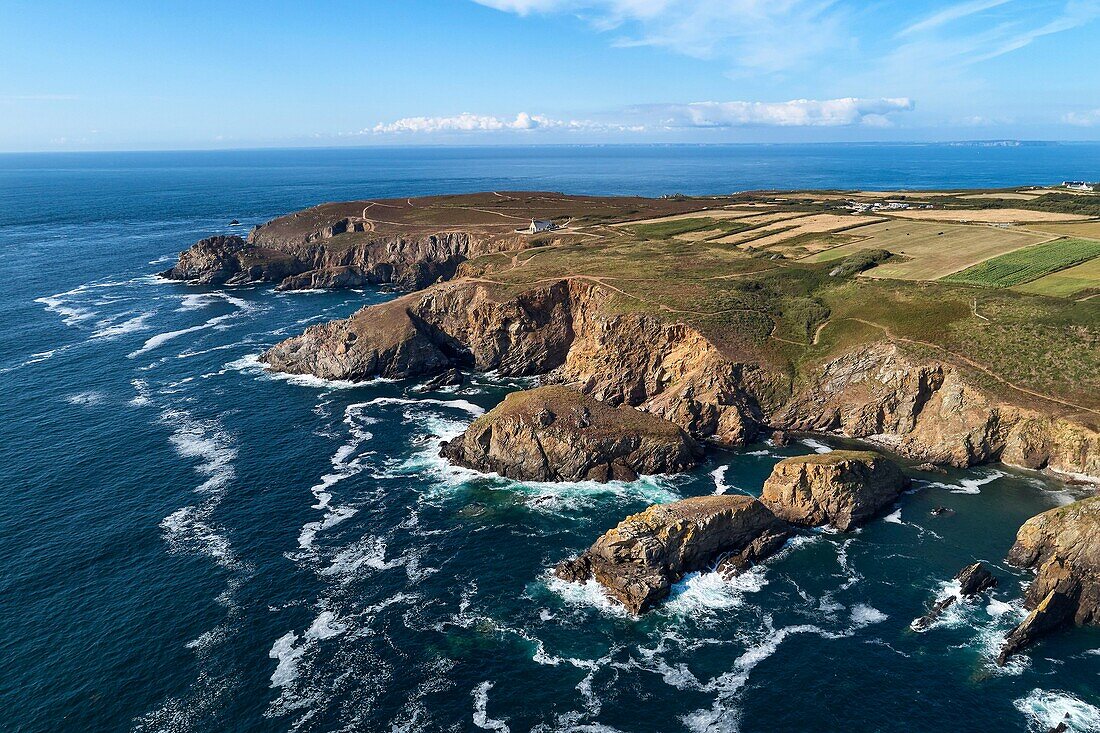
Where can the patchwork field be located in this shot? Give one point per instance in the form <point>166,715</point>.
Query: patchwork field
<point>794,226</point>
<point>1066,283</point>
<point>988,216</point>
<point>701,226</point>
<point>931,250</point>
<point>720,213</point>
<point>1025,265</point>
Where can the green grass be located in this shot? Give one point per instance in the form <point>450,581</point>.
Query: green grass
<point>666,229</point>
<point>1025,265</point>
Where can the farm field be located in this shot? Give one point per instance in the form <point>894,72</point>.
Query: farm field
<point>990,216</point>
<point>1066,283</point>
<point>1025,265</point>
<point>722,213</point>
<point>1008,196</point>
<point>1086,229</point>
<point>793,226</point>
<point>703,226</point>
<point>932,250</point>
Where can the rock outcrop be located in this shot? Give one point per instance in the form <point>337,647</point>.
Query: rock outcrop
<point>1063,547</point>
<point>230,260</point>
<point>973,579</point>
<point>638,561</point>
<point>842,488</point>
<point>559,434</point>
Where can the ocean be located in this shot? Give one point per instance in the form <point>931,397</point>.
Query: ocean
<point>188,543</point>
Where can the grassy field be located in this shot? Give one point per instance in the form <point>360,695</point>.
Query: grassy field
<point>1025,265</point>
<point>930,250</point>
<point>1066,283</point>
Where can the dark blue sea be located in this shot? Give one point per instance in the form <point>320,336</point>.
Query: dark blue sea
<point>189,544</point>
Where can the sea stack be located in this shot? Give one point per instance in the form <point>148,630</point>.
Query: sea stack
<point>842,489</point>
<point>638,561</point>
<point>559,434</point>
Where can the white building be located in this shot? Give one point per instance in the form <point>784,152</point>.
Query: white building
<point>536,226</point>
<point>1079,186</point>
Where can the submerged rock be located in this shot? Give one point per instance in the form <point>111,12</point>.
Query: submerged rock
<point>560,434</point>
<point>1063,546</point>
<point>638,561</point>
<point>973,579</point>
<point>841,488</point>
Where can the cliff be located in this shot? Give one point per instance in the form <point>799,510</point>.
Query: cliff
<point>1063,547</point>
<point>927,410</point>
<point>334,257</point>
<point>560,434</point>
<point>569,331</point>
<point>638,561</point>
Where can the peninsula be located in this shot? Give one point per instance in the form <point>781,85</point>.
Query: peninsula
<point>952,327</point>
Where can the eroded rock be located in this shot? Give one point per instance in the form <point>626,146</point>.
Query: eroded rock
<point>841,488</point>
<point>559,434</point>
<point>638,561</point>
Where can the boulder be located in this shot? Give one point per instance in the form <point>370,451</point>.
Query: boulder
<point>559,434</point>
<point>1063,547</point>
<point>843,489</point>
<point>638,561</point>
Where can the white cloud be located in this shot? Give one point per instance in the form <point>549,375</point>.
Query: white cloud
<point>1090,118</point>
<point>471,123</point>
<point>951,14</point>
<point>780,35</point>
<point>769,35</point>
<point>795,113</point>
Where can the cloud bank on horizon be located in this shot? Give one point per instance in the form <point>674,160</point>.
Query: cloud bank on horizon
<point>794,113</point>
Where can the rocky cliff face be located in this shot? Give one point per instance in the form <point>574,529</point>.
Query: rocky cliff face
<point>558,330</point>
<point>1063,547</point>
<point>842,489</point>
<point>340,255</point>
<point>560,434</point>
<point>920,408</point>
<point>638,561</point>
<point>926,410</point>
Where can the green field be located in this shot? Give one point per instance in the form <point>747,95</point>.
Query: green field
<point>1025,265</point>
<point>673,227</point>
<point>1068,282</point>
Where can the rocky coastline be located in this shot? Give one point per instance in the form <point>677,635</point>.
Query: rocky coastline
<point>630,390</point>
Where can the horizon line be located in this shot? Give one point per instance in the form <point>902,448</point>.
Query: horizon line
<point>452,145</point>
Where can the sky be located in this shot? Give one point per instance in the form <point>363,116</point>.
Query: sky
<point>102,75</point>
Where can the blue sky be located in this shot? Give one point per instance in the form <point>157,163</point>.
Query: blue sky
<point>97,75</point>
